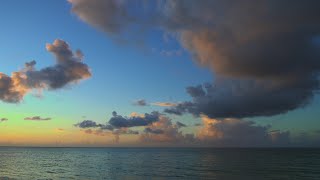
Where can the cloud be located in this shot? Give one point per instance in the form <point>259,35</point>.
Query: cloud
<point>109,16</point>
<point>263,51</point>
<point>280,138</point>
<point>4,119</point>
<point>119,125</point>
<point>153,131</point>
<point>97,132</point>
<point>223,132</point>
<point>180,124</point>
<point>164,104</point>
<point>182,108</point>
<point>140,102</point>
<point>239,133</point>
<point>88,124</point>
<point>119,121</point>
<point>164,131</point>
<point>12,89</point>
<point>37,118</point>
<point>239,99</point>
<point>158,128</point>
<point>121,131</point>
<point>265,61</point>
<point>110,132</point>
<point>170,53</point>
<point>228,132</point>
<point>69,69</point>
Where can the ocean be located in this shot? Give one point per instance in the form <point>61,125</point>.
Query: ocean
<point>159,163</point>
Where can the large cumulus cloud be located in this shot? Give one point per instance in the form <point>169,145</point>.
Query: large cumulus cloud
<point>68,69</point>
<point>110,16</point>
<point>228,132</point>
<point>243,98</point>
<point>264,54</point>
<point>236,133</point>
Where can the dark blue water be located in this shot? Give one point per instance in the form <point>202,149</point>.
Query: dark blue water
<point>158,163</point>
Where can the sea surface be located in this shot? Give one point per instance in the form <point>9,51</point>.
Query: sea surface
<point>159,163</point>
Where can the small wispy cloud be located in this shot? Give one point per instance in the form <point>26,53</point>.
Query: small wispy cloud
<point>4,119</point>
<point>37,118</point>
<point>59,130</point>
<point>164,104</point>
<point>168,53</point>
<point>140,102</point>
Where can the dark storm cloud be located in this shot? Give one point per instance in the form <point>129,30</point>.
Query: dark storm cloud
<point>69,69</point>
<point>262,53</point>
<point>267,51</point>
<point>119,121</point>
<point>140,102</point>
<point>240,99</point>
<point>37,118</point>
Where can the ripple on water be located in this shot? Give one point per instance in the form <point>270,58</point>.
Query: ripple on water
<point>161,163</point>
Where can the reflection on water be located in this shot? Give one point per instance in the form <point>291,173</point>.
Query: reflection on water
<point>158,163</point>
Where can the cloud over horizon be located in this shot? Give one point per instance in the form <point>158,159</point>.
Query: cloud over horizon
<point>224,132</point>
<point>119,125</point>
<point>69,69</point>
<point>164,131</point>
<point>234,132</point>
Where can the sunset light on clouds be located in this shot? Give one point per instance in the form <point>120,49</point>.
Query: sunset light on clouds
<point>143,73</point>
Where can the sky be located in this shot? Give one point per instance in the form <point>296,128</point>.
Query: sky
<point>159,73</point>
